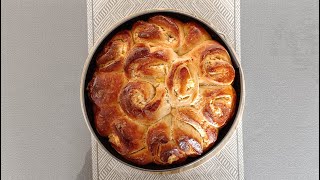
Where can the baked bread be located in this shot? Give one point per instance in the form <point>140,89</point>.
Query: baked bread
<point>162,90</point>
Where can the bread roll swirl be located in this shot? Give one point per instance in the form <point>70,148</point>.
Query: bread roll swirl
<point>214,63</point>
<point>112,56</point>
<point>194,118</point>
<point>182,83</point>
<point>144,102</point>
<point>160,143</point>
<point>218,104</point>
<point>147,63</point>
<point>159,31</point>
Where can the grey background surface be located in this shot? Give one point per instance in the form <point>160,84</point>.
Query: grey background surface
<point>44,46</point>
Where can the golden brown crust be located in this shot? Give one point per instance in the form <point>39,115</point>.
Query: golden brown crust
<point>194,118</point>
<point>214,63</point>
<point>170,153</point>
<point>211,136</point>
<point>112,56</point>
<point>104,116</point>
<point>218,104</point>
<point>141,157</point>
<point>158,31</point>
<point>162,90</point>
<point>209,48</point>
<point>187,138</point>
<point>127,136</point>
<point>144,102</point>
<point>182,83</point>
<point>172,28</point>
<point>158,134</point>
<point>104,87</point>
<point>194,34</point>
<point>159,141</point>
<point>150,64</point>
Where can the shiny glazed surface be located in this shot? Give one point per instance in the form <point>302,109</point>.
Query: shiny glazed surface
<point>162,91</point>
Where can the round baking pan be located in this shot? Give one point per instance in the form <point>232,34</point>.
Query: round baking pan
<point>224,134</point>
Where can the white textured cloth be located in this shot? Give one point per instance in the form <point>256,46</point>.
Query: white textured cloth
<point>224,15</point>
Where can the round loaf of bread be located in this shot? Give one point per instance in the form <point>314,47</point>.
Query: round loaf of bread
<point>162,90</point>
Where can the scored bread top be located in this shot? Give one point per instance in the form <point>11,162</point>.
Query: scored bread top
<point>162,90</point>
